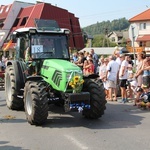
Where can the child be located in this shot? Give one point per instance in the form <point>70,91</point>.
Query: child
<point>144,100</point>
<point>130,73</point>
<point>130,79</point>
<point>137,91</point>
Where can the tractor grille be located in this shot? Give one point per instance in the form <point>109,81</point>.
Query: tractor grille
<point>57,77</point>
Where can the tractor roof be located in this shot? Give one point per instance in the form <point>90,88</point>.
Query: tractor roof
<point>43,30</point>
<point>44,26</point>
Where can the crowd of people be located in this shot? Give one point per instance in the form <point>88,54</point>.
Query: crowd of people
<point>119,72</point>
<point>87,61</point>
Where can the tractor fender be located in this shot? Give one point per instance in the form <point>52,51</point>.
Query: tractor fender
<point>91,76</point>
<point>19,71</point>
<point>33,78</point>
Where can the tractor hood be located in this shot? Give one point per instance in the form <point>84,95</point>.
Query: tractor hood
<point>61,65</point>
<point>58,73</point>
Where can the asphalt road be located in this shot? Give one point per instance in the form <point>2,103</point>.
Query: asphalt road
<point>122,127</point>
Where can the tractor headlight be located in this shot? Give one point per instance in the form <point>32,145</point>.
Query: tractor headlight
<point>68,76</point>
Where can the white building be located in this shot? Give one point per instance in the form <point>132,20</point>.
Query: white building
<point>142,21</point>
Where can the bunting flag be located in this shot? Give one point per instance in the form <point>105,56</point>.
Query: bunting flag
<point>7,45</point>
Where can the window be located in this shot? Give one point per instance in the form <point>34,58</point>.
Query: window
<point>7,8</point>
<point>1,10</point>
<point>142,26</point>
<point>16,22</point>
<point>113,39</point>
<point>140,44</point>
<point>24,20</point>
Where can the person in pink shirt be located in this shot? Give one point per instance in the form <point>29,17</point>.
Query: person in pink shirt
<point>91,66</point>
<point>85,67</point>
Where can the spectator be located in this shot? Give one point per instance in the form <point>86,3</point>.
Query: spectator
<point>86,55</point>
<point>144,99</point>
<point>80,61</point>
<point>139,71</point>
<point>117,55</point>
<point>101,60</point>
<point>146,71</point>
<point>134,87</point>
<point>102,74</point>
<point>91,66</point>
<point>130,79</point>
<point>95,60</point>
<point>85,67</point>
<point>102,69</point>
<point>111,77</point>
<point>139,92</point>
<point>75,56</point>
<point>89,57</point>
<point>130,61</point>
<point>123,77</point>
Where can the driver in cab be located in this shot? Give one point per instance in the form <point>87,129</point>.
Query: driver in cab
<point>47,45</point>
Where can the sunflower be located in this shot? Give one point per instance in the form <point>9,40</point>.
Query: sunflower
<point>76,83</point>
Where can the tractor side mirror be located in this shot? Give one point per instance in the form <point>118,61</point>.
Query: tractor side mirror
<point>13,37</point>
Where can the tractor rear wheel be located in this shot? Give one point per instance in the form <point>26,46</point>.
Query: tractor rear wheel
<point>36,102</point>
<point>97,99</point>
<point>11,82</point>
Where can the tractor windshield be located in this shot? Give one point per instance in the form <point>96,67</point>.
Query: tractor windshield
<point>45,46</point>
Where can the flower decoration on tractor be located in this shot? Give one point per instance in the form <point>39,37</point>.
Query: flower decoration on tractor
<point>76,84</point>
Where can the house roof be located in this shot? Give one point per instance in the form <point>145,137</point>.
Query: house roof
<point>117,33</point>
<point>21,14</point>
<point>143,38</point>
<point>141,17</point>
<point>4,9</point>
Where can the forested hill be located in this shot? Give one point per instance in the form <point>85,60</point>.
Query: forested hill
<point>107,26</point>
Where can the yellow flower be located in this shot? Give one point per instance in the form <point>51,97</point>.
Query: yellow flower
<point>70,83</point>
<point>76,83</point>
<point>73,86</point>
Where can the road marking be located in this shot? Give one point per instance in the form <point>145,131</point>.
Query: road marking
<point>76,142</point>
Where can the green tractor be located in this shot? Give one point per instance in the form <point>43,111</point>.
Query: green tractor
<point>42,74</point>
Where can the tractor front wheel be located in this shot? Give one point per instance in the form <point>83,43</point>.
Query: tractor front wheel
<point>97,99</point>
<point>35,102</point>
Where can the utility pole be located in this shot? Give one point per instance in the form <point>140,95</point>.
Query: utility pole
<point>106,37</point>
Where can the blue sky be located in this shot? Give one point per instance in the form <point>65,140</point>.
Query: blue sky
<point>90,12</point>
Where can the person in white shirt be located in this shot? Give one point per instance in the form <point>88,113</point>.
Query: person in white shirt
<point>102,74</point>
<point>117,55</point>
<point>123,75</point>
<point>111,76</point>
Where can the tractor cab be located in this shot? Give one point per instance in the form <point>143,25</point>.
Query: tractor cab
<point>36,44</point>
<point>45,41</point>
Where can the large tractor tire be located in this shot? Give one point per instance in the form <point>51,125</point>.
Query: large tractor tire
<point>35,102</point>
<point>97,99</point>
<point>11,90</point>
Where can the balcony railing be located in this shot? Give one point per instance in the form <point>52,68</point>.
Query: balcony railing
<point>137,49</point>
